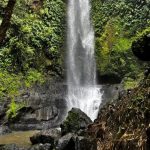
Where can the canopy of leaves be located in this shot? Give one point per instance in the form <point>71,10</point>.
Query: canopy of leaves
<point>35,38</point>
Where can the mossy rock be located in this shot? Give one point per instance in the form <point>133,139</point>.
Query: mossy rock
<point>75,121</point>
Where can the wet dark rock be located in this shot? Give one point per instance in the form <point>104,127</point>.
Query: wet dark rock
<point>67,142</point>
<point>46,113</point>
<point>73,142</point>
<point>75,121</point>
<point>111,92</point>
<point>46,136</point>
<point>108,78</point>
<point>46,146</point>
<point>4,130</point>
<point>141,47</point>
<point>11,147</point>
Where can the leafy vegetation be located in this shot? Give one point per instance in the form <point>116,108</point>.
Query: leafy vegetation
<point>35,38</point>
<point>11,84</point>
<point>13,109</point>
<point>117,24</point>
<point>33,46</point>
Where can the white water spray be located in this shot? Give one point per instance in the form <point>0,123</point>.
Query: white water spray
<point>81,69</point>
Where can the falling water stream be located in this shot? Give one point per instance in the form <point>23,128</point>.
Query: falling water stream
<point>83,92</point>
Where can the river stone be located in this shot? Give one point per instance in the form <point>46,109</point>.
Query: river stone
<point>66,142</point>
<point>75,121</point>
<point>46,136</point>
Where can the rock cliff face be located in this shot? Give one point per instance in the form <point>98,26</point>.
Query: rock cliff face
<point>44,106</point>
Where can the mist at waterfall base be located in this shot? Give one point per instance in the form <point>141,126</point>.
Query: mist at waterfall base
<point>82,92</point>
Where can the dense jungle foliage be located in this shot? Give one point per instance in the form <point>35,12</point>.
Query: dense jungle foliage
<point>117,24</point>
<point>34,46</point>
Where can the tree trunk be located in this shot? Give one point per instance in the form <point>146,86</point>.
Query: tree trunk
<point>6,19</point>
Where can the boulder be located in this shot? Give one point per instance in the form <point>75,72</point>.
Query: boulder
<point>73,142</point>
<point>75,121</point>
<point>46,146</point>
<point>67,142</point>
<point>46,136</point>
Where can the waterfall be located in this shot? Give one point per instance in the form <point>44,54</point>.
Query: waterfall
<point>81,68</point>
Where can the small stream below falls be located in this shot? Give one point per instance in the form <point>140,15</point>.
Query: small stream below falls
<point>19,138</point>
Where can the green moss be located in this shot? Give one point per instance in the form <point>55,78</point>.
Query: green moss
<point>72,122</point>
<point>129,83</point>
<point>13,109</point>
<point>123,44</point>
